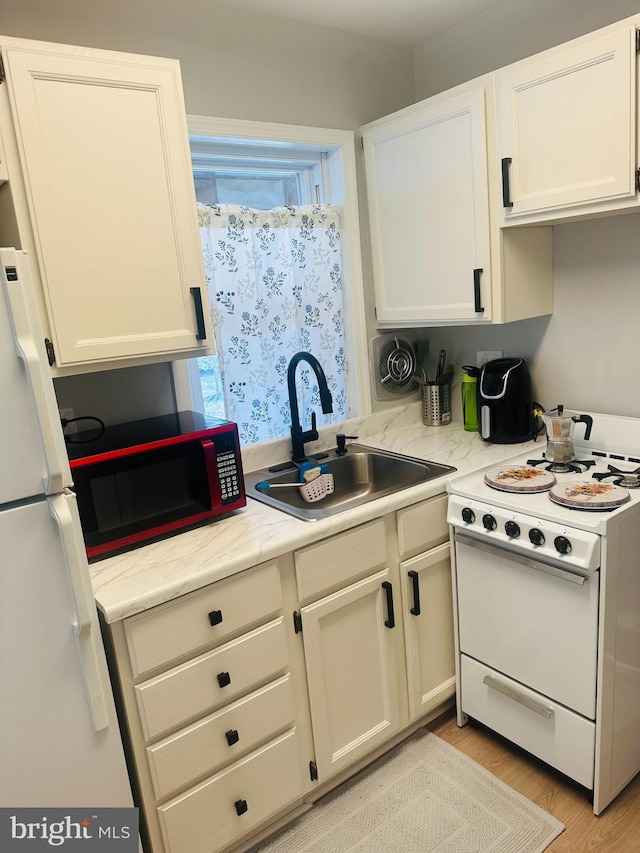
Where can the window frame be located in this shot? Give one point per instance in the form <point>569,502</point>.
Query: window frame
<point>339,174</point>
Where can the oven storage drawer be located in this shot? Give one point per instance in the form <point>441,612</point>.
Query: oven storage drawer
<point>560,737</point>
<point>535,622</point>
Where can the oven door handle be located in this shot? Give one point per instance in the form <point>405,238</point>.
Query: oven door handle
<point>510,693</point>
<point>563,574</point>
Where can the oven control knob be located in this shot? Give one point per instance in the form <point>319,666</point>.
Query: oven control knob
<point>563,546</point>
<point>512,529</point>
<point>468,515</point>
<point>489,522</point>
<point>536,536</point>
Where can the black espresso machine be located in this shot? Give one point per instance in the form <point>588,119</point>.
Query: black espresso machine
<point>505,401</point>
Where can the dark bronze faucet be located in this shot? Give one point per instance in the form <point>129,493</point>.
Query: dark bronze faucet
<point>298,435</point>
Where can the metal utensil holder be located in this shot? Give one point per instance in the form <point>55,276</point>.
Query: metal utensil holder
<point>436,402</point>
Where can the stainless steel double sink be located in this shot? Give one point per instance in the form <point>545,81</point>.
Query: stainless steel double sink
<point>361,475</point>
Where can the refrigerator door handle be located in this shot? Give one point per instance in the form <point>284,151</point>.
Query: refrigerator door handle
<point>29,343</point>
<point>65,512</point>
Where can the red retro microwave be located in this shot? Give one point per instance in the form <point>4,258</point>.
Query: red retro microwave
<point>148,479</point>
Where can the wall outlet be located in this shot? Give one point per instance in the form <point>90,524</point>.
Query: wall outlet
<point>487,355</point>
<point>68,414</point>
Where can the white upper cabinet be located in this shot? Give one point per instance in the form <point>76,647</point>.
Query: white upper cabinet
<point>429,210</point>
<point>439,256</point>
<point>567,128</point>
<point>99,168</point>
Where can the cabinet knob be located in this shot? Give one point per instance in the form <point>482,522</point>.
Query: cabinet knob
<point>241,806</point>
<point>232,736</point>
<point>215,617</point>
<point>224,679</point>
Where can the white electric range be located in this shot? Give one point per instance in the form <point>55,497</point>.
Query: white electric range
<point>547,605</point>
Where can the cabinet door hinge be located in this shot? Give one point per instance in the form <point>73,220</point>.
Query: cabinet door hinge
<point>51,355</point>
<point>313,771</point>
<point>297,622</point>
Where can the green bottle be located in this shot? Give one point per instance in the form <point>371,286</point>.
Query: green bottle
<point>469,400</point>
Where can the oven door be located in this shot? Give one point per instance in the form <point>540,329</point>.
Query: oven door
<point>534,621</point>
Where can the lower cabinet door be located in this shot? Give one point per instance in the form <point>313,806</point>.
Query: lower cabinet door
<point>428,628</point>
<point>234,802</point>
<point>351,646</point>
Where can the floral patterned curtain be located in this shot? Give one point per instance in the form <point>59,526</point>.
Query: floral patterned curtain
<point>275,283</point>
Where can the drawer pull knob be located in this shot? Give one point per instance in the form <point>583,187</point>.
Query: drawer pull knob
<point>224,679</point>
<point>241,806</point>
<point>232,736</point>
<point>215,617</point>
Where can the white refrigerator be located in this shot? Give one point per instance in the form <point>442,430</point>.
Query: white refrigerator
<point>60,744</point>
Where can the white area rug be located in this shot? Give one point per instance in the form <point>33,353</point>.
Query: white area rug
<point>425,797</point>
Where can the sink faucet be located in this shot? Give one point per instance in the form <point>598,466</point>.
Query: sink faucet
<point>298,435</point>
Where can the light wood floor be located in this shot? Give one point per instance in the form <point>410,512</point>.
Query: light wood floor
<point>616,830</point>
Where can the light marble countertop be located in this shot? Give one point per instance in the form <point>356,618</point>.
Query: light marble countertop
<point>137,580</point>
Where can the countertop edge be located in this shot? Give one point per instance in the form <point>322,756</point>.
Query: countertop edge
<point>138,580</point>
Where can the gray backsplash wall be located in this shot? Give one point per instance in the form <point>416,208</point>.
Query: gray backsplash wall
<point>585,354</point>
<point>118,396</point>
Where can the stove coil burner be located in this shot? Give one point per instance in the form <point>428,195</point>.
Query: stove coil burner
<point>626,479</point>
<point>577,466</point>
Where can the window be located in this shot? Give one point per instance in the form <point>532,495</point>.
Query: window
<point>293,174</point>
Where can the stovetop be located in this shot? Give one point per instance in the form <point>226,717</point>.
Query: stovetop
<point>615,442</point>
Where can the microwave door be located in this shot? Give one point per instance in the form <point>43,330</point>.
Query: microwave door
<point>127,498</point>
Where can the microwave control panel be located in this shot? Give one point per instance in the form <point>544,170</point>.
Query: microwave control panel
<point>228,474</point>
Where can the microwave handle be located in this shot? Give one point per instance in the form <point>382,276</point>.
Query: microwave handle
<point>211,461</point>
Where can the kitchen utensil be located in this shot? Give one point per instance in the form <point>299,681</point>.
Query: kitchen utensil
<point>317,483</point>
<point>560,425</point>
<point>436,400</point>
<point>505,401</point>
<point>311,492</point>
<point>442,356</point>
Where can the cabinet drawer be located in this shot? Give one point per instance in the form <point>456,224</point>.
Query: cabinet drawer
<point>340,560</point>
<point>423,526</point>
<point>221,738</point>
<point>206,817</point>
<point>213,679</point>
<point>203,618</point>
<point>563,739</point>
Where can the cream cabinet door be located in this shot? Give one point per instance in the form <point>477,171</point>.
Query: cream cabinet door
<point>351,652</point>
<point>428,629</point>
<point>426,172</point>
<point>567,128</point>
<point>104,152</point>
